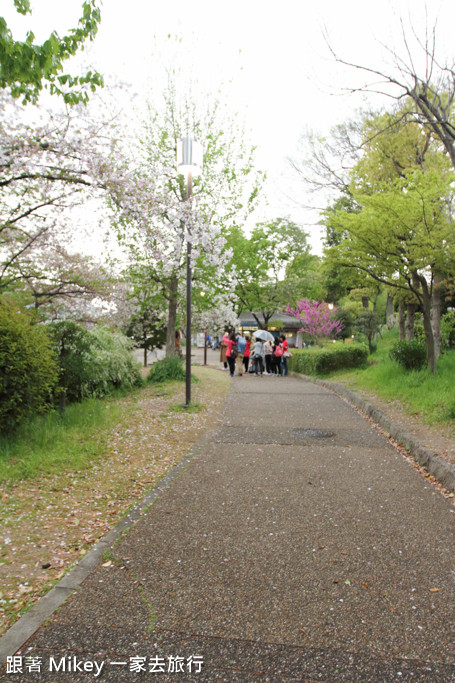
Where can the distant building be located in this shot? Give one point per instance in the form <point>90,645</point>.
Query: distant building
<point>279,324</point>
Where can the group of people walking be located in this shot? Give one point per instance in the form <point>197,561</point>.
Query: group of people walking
<point>254,356</point>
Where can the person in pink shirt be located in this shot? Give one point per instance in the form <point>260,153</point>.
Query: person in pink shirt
<point>231,353</point>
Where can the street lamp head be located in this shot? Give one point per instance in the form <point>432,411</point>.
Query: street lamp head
<point>189,156</point>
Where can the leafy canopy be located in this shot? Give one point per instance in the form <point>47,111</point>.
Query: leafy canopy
<point>270,265</point>
<point>26,68</point>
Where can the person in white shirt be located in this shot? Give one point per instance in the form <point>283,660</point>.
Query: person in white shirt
<point>258,356</point>
<point>268,350</point>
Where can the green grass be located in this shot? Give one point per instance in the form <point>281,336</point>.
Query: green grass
<point>431,395</point>
<point>53,442</point>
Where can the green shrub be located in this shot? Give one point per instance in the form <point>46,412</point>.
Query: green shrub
<point>93,363</point>
<point>28,366</point>
<point>411,355</point>
<point>320,361</point>
<point>112,363</point>
<point>73,345</point>
<point>168,369</point>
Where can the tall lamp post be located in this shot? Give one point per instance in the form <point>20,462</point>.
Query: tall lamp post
<point>189,164</point>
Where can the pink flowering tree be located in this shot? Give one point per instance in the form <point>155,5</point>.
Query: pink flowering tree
<point>318,320</point>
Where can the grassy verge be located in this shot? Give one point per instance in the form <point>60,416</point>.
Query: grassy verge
<point>52,516</point>
<point>53,442</point>
<point>430,395</point>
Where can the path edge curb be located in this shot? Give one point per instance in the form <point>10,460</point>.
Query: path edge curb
<point>439,468</point>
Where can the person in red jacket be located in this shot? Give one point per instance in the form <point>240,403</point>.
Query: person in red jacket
<point>246,354</point>
<point>284,357</point>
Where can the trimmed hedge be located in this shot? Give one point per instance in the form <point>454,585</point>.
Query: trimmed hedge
<point>320,361</point>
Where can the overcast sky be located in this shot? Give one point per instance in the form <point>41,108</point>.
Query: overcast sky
<point>282,77</point>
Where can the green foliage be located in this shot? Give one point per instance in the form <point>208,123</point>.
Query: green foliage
<point>27,67</point>
<point>28,367</point>
<point>317,361</point>
<point>411,355</point>
<point>400,233</point>
<point>167,370</point>
<point>447,330</point>
<point>260,260</point>
<point>93,363</point>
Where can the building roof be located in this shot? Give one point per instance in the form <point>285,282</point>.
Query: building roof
<point>247,319</point>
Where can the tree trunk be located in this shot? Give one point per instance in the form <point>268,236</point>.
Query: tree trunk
<point>389,307</point>
<point>375,303</point>
<point>401,320</point>
<point>410,316</point>
<point>365,302</point>
<point>426,312</point>
<point>370,344</point>
<point>172,317</point>
<point>436,315</point>
<point>145,353</point>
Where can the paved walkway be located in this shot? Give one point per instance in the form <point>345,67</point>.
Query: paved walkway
<point>297,545</point>
<point>197,356</point>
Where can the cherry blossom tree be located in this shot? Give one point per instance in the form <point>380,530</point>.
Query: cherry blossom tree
<point>155,219</point>
<point>318,319</point>
<point>220,316</point>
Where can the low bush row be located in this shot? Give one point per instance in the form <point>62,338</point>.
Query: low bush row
<point>320,361</point>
